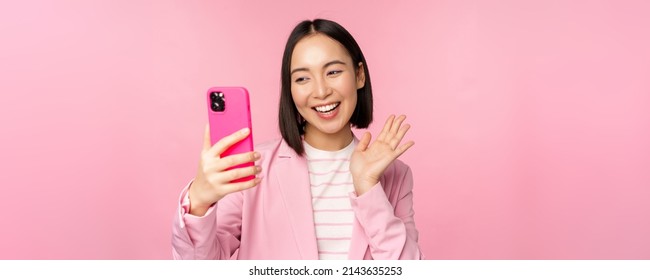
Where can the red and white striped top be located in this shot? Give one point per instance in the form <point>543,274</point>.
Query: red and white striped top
<point>331,183</point>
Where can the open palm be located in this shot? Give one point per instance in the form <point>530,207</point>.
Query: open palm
<point>369,160</point>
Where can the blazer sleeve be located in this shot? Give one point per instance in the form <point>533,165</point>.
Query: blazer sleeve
<point>390,229</point>
<point>216,235</point>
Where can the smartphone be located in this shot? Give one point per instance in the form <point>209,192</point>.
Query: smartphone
<point>228,112</point>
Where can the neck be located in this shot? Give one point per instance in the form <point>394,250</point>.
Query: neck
<point>328,142</point>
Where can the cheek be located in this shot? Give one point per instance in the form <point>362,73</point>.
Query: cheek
<point>350,92</point>
<point>299,96</point>
<point>353,100</point>
<point>347,86</point>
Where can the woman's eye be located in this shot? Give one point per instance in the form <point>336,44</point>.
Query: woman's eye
<point>301,79</point>
<point>334,72</point>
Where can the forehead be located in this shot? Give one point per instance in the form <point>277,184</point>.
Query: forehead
<point>316,50</point>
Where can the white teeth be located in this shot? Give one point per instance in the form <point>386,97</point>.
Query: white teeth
<point>327,108</point>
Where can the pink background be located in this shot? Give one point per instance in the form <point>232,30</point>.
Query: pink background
<point>531,118</point>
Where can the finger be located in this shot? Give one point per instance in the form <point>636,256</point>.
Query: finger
<point>206,138</point>
<point>240,186</point>
<point>386,129</point>
<point>238,173</point>
<point>403,148</point>
<point>400,135</point>
<point>234,160</point>
<point>225,143</point>
<point>396,125</point>
<point>364,142</point>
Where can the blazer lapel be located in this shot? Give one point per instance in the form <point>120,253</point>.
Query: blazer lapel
<point>358,243</point>
<point>293,179</point>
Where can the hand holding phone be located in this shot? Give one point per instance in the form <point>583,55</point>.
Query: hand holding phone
<point>227,158</point>
<point>228,112</point>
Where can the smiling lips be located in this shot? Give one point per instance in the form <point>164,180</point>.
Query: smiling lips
<point>327,108</point>
<point>327,111</point>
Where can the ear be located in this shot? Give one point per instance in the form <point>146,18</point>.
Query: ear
<point>361,76</point>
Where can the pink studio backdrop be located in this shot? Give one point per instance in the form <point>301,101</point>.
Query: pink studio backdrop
<point>530,118</point>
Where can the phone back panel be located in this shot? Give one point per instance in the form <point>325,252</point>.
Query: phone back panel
<point>235,116</point>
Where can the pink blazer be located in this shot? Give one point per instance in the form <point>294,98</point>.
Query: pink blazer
<point>274,220</point>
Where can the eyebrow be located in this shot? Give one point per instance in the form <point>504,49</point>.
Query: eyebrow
<point>324,66</point>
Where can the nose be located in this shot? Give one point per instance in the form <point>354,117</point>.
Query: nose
<point>322,89</point>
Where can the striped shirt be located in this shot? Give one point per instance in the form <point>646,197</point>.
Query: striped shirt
<point>331,184</point>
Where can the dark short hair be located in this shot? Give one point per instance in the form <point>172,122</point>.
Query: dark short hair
<point>291,126</point>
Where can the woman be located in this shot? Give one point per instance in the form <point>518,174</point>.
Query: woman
<point>319,193</point>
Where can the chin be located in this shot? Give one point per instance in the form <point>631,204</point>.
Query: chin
<point>331,128</point>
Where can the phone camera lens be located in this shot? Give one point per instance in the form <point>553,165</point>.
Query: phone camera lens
<point>218,102</point>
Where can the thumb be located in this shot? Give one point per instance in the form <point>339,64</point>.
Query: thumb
<point>206,138</point>
<point>364,142</point>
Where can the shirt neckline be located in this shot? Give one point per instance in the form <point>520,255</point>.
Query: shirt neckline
<point>314,152</point>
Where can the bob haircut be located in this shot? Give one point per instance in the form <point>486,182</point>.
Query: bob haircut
<point>292,125</point>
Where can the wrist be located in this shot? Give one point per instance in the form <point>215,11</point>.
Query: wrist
<point>197,206</point>
<point>363,186</point>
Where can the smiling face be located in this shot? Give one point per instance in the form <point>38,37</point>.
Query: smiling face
<point>324,83</point>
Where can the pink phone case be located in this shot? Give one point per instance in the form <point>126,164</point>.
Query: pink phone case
<point>228,117</point>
